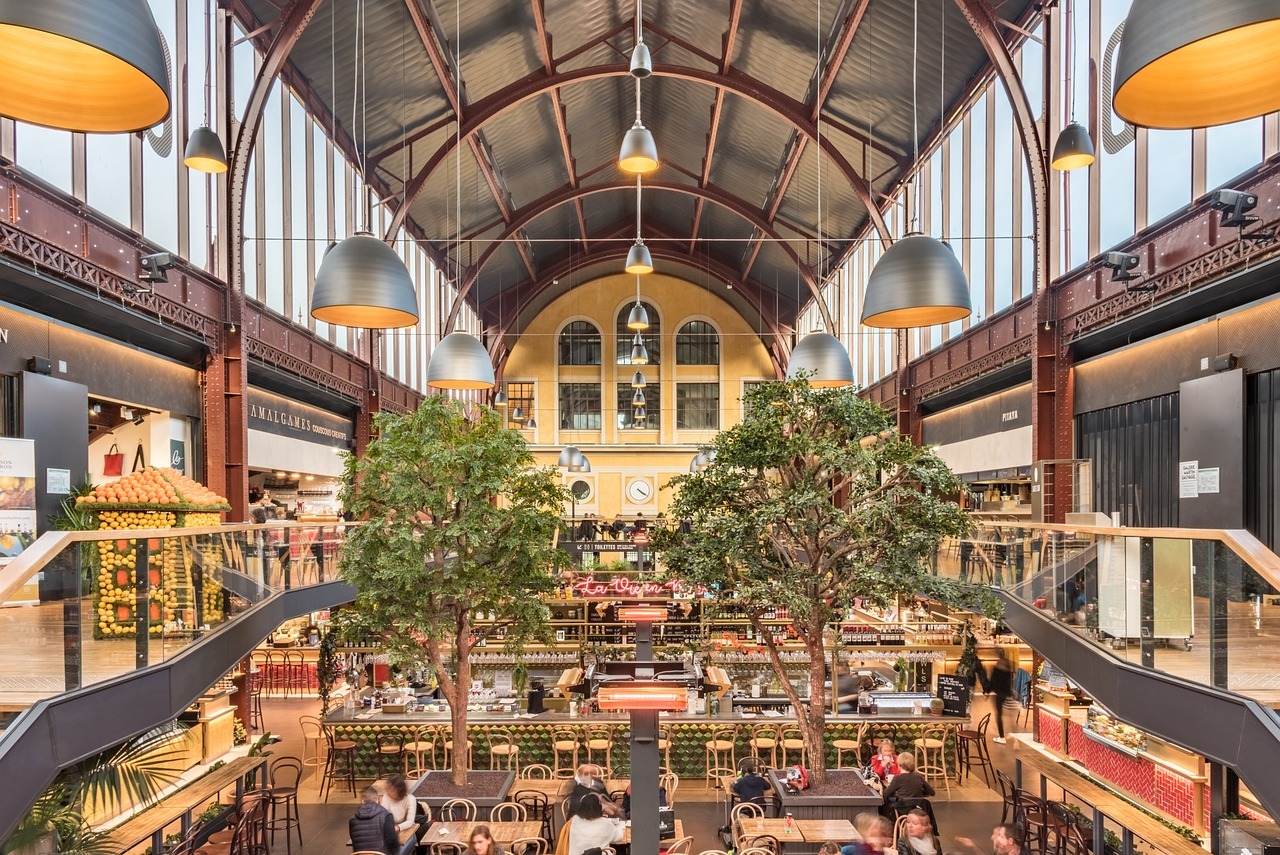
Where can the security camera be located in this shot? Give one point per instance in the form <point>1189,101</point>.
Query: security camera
<point>1121,265</point>
<point>152,267</point>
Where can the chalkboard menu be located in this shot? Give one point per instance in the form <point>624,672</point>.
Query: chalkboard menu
<point>954,692</point>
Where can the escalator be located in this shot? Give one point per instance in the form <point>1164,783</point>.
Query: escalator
<point>1169,630</point>
<point>226,579</point>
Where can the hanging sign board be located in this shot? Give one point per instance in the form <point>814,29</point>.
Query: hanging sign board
<point>954,692</point>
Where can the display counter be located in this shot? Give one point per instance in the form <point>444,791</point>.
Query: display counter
<point>687,734</point>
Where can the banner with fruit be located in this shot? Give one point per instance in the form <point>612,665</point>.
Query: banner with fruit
<point>147,499</point>
<point>18,508</point>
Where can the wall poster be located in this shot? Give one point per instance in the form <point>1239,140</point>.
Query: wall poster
<point>18,509</point>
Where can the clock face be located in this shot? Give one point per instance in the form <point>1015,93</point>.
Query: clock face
<point>639,491</point>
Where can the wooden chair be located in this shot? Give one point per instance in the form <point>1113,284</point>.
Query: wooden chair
<point>599,740</point>
<point>670,782</point>
<point>850,746</point>
<point>931,755</point>
<point>744,810</point>
<point>1038,823</point>
<point>449,757</point>
<point>664,746</point>
<point>764,737</point>
<point>564,746</point>
<point>719,752</point>
<point>1009,797</point>
<point>761,844</point>
<point>536,772</point>
<point>536,806</point>
<point>458,810</point>
<point>971,746</point>
<point>340,762</point>
<point>508,812</point>
<point>312,742</point>
<point>713,852</point>
<point>683,846</point>
<point>503,750</point>
<point>530,846</point>
<point>423,745</point>
<point>286,776</point>
<point>389,745</point>
<point>899,829</point>
<point>446,847</point>
<point>793,740</point>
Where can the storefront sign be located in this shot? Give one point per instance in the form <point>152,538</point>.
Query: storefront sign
<point>623,586</point>
<point>278,415</point>
<point>18,508</point>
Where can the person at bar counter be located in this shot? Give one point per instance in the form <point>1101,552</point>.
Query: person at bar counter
<point>908,783</point>
<point>586,782</point>
<point>373,829</point>
<point>591,829</point>
<point>848,687</point>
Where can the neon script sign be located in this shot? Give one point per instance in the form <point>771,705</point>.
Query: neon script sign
<point>621,586</point>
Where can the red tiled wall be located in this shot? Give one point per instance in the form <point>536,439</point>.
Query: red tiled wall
<point>1168,792</point>
<point>1051,731</point>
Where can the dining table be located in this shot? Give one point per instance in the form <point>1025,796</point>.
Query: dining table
<point>505,833</point>
<point>800,830</point>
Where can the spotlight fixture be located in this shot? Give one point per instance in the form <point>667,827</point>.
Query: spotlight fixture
<point>152,267</point>
<point>126,413</point>
<point>1235,206</point>
<point>139,419</point>
<point>1121,265</point>
<point>95,409</point>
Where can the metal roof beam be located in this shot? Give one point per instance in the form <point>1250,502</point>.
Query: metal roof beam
<point>728,42</point>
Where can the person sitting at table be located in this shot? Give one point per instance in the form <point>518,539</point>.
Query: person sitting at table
<point>752,786</point>
<point>586,782</point>
<point>876,832</point>
<point>919,839</point>
<point>1005,840</point>
<point>885,763</point>
<point>591,829</point>
<point>404,810</point>
<point>373,829</point>
<point>482,842</point>
<point>908,783</point>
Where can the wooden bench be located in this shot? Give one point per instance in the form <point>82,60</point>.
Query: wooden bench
<point>1104,802</point>
<point>152,822</point>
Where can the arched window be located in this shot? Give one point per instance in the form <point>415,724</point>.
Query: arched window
<point>652,337</point>
<point>580,344</point>
<point>697,343</point>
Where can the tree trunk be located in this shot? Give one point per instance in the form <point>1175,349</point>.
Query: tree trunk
<point>458,709</point>
<point>814,722</point>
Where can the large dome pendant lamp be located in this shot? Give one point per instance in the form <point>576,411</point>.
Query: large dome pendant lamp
<point>638,381</point>
<point>97,67</point>
<point>639,261</point>
<point>639,153</point>
<point>362,282</point>
<point>1196,63</point>
<point>918,282</point>
<point>1073,148</point>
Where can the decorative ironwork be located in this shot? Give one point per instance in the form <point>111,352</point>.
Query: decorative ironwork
<point>286,361</point>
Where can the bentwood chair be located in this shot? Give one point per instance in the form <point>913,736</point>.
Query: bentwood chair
<point>764,738</point>
<point>931,755</point>
<point>286,777</point>
<point>719,753</point>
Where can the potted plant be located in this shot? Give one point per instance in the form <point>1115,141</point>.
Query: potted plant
<point>936,706</point>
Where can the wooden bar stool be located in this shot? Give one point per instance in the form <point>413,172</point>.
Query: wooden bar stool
<point>971,745</point>
<point>850,746</point>
<point>931,755</point>
<point>449,759</point>
<point>719,753</point>
<point>276,663</point>
<point>340,762</point>
<point>389,745</point>
<point>286,776</point>
<point>503,750</point>
<point>564,747</point>
<point>764,738</point>
<point>424,745</point>
<point>791,739</point>
<point>312,740</point>
<point>599,740</point>
<point>295,668</point>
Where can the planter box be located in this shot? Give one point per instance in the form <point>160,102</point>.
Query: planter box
<point>844,796</point>
<point>484,787</point>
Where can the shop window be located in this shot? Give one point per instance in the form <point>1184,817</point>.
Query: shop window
<point>580,344</point>
<point>652,337</point>
<point>748,386</point>
<point>652,406</point>
<point>520,395</point>
<point>698,406</point>
<point>697,343</point>
<point>580,406</point>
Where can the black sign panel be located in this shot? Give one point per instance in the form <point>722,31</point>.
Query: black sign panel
<point>954,692</point>
<point>274,414</point>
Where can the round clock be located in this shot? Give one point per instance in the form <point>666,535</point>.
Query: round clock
<point>639,491</point>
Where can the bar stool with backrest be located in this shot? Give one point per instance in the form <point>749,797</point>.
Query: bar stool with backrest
<point>286,776</point>
<point>312,741</point>
<point>664,746</point>
<point>564,746</point>
<point>598,740</point>
<point>793,740</point>
<point>764,738</point>
<point>255,700</point>
<point>389,747</point>
<point>850,746</point>
<point>423,745</point>
<point>277,668</point>
<point>503,750</point>
<point>719,754</point>
<point>449,759</point>
<point>1038,822</point>
<point>971,746</point>
<point>1008,796</point>
<point>340,763</point>
<point>931,755</point>
<point>295,668</point>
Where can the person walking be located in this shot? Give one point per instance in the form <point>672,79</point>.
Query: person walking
<point>1000,684</point>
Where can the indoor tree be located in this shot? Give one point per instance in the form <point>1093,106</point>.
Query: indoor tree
<point>810,502</point>
<point>457,521</point>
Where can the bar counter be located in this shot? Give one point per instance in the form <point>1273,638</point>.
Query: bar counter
<point>687,734</point>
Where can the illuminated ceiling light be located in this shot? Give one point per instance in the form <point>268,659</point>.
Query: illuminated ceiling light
<point>639,317</point>
<point>1073,148</point>
<point>1192,64</point>
<point>639,414</point>
<point>642,614</point>
<point>363,283</point>
<point>639,262</point>
<point>916,283</point>
<point>639,353</point>
<point>584,468</point>
<point>638,381</point>
<point>500,399</point>
<point>96,67</point>
<point>824,361</point>
<point>637,399</point>
<point>641,696</point>
<point>460,362</point>
<point>205,152</point>
<point>639,153</point>
<point>641,62</point>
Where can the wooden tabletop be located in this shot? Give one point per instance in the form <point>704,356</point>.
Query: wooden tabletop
<point>558,788</point>
<point>626,838</point>
<point>460,832</point>
<point>801,830</point>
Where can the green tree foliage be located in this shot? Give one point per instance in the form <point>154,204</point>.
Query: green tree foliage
<point>812,501</point>
<point>458,520</point>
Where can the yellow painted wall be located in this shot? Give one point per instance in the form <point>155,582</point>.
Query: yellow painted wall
<point>621,456</point>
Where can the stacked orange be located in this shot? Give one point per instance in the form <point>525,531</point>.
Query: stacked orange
<point>153,488</point>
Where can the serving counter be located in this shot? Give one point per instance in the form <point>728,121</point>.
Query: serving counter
<point>687,734</point>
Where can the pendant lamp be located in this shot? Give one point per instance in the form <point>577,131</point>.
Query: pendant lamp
<point>500,398</point>
<point>639,262</point>
<point>204,151</point>
<point>639,353</point>
<point>641,62</point>
<point>638,381</point>
<point>95,67</point>
<point>363,283</point>
<point>823,359</point>
<point>639,153</point>
<point>918,282</point>
<point>1073,149</point>
<point>639,317</point>
<point>570,457</point>
<point>1197,63</point>
<point>460,362</point>
<point>639,419</point>
<point>531,423</point>
<point>585,466</point>
<point>517,415</point>
<point>637,398</point>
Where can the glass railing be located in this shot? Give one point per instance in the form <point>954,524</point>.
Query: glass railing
<point>82,607</point>
<point>1201,605</point>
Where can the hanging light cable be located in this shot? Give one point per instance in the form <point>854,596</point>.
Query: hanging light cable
<point>460,361</point>
<point>1073,148</point>
<point>641,62</point>
<point>639,153</point>
<point>639,261</point>
<point>204,152</point>
<point>918,282</point>
<point>362,282</point>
